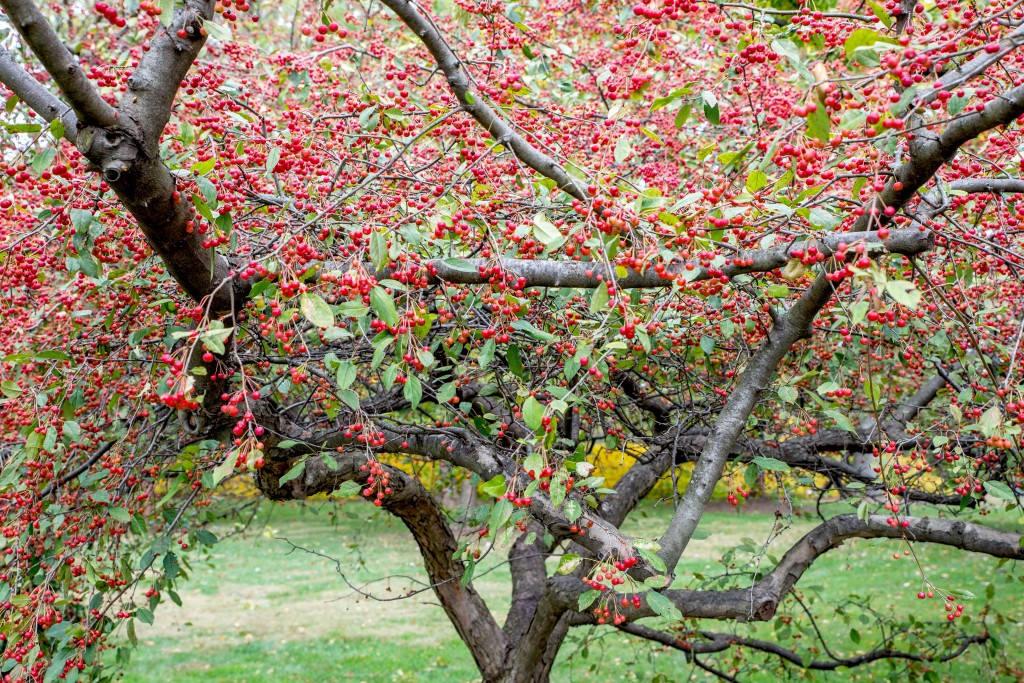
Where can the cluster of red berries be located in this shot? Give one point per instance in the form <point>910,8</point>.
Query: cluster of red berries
<point>322,31</point>
<point>110,14</point>
<point>604,576</point>
<point>733,500</point>
<point>953,611</point>
<point>232,401</point>
<point>377,484</point>
<point>176,395</point>
<point>229,13</point>
<point>517,500</point>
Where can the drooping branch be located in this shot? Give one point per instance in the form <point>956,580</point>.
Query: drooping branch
<point>59,63</point>
<point>36,96</point>
<point>472,100</point>
<point>720,642</point>
<point>154,84</point>
<point>988,185</point>
<point>454,446</point>
<point>123,145</point>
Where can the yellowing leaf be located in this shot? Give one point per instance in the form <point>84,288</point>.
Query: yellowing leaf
<point>316,310</point>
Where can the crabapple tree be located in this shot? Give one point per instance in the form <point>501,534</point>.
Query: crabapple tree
<point>767,247</point>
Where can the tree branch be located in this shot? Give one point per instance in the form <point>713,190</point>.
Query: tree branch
<point>976,66</point>
<point>929,153</point>
<point>591,274</point>
<point>719,642</point>
<point>59,62</point>
<point>472,102</point>
<point>36,96</point>
<point>926,158</point>
<point>792,326</point>
<point>760,601</point>
<point>154,84</point>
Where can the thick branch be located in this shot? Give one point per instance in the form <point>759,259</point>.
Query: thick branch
<point>928,154</point>
<point>59,62</point>
<point>154,84</point>
<point>793,325</point>
<point>472,101</point>
<point>36,96</point>
<point>760,601</point>
<point>926,158</point>
<point>976,66</point>
<point>590,274</point>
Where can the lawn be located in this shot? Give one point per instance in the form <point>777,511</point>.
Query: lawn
<point>264,610</point>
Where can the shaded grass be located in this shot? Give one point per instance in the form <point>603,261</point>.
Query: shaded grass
<point>267,609</point>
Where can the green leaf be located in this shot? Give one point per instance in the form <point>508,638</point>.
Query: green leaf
<point>486,354</point>
<point>587,599</point>
<point>623,149</point>
<point>217,31</point>
<point>770,464</point>
<point>904,293</point>
<point>166,11</point>
<point>413,391</point>
<point>204,167</point>
<point>369,118</point>
<point>544,230</point>
<point>460,264</point>
<point>384,306</point>
<point>882,15</point>
<point>756,180</point>
<point>682,115</point>
<point>10,388</point>
<point>446,392</point>
<point>57,129</point>
<point>379,251</point>
<point>348,489</point>
<point>864,37</point>
<point>787,394</point>
<point>998,489</point>
<point>662,606</point>
<point>905,99</point>
<point>81,219</point>
<point>711,110</point>
<point>273,157</point>
<point>294,473</point>
<point>206,537</point>
<point>842,421</point>
<point>345,375</point>
<point>599,299</point>
<point>668,99</point>
<point>528,328</point>
<point>572,510</point>
<point>568,563</point>
<point>495,487</point>
<point>533,413</point>
<point>991,421</point>
<point>515,361</point>
<point>819,124</point>
<point>316,310</point>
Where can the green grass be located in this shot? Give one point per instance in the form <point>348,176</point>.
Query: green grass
<point>264,611</point>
